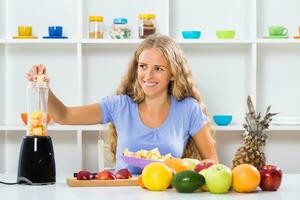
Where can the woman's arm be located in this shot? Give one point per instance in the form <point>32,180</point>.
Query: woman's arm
<point>206,145</point>
<point>80,115</point>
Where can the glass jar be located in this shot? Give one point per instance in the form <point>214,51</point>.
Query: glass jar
<point>120,29</point>
<point>147,25</point>
<point>37,100</point>
<point>96,27</point>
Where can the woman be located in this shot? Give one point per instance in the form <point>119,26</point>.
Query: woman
<point>156,105</point>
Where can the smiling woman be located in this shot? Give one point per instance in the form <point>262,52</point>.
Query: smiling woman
<point>157,74</point>
<point>157,105</point>
<point>153,72</point>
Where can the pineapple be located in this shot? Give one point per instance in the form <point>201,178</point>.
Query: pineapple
<point>254,137</point>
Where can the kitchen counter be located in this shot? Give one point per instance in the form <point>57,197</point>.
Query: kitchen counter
<point>289,190</point>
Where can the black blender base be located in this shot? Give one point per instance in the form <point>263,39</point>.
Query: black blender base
<point>36,161</point>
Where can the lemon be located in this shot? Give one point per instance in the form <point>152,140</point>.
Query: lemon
<point>157,176</point>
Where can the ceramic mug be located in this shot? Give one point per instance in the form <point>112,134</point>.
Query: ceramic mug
<point>277,31</point>
<point>55,31</point>
<point>24,30</point>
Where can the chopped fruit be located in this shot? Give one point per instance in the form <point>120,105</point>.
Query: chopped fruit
<point>123,174</point>
<point>37,131</point>
<point>37,123</point>
<point>24,118</point>
<point>40,79</point>
<point>34,122</point>
<point>152,154</point>
<point>36,115</point>
<point>105,175</point>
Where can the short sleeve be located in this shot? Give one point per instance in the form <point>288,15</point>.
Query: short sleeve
<point>110,107</point>
<point>197,118</point>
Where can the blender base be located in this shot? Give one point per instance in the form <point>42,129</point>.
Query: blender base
<point>36,161</point>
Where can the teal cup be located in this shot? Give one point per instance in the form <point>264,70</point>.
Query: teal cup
<point>277,31</point>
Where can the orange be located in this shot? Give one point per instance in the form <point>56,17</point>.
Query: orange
<point>24,117</point>
<point>140,182</point>
<point>157,176</point>
<point>177,164</point>
<point>245,178</point>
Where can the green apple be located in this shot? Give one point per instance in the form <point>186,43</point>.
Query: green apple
<point>203,173</point>
<point>191,162</point>
<point>218,179</point>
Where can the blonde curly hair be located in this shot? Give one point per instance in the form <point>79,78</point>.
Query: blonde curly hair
<point>181,87</point>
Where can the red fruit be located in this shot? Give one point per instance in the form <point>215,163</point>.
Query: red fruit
<point>105,175</point>
<point>271,177</point>
<point>84,175</point>
<point>123,174</point>
<point>203,165</point>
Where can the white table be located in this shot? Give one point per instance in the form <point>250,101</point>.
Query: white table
<point>289,190</point>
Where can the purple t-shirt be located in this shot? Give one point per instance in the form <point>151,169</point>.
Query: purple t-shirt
<point>184,119</point>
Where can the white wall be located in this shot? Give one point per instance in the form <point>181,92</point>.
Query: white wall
<point>281,149</point>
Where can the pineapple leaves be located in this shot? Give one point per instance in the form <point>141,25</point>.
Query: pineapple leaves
<point>256,124</point>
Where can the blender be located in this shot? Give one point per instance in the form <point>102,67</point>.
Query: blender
<point>36,159</point>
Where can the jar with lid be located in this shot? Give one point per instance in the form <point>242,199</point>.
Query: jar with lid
<point>147,25</point>
<point>119,29</point>
<point>37,100</point>
<point>96,27</point>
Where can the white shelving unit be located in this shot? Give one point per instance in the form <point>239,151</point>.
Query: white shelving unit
<point>84,70</point>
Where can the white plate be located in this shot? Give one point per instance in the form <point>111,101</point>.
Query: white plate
<point>294,123</point>
<point>286,118</point>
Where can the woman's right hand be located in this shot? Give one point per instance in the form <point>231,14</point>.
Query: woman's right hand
<point>36,70</point>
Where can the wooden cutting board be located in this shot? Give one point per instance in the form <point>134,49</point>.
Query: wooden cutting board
<point>73,182</point>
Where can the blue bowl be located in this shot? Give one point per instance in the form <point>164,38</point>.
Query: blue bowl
<point>222,120</point>
<point>191,34</point>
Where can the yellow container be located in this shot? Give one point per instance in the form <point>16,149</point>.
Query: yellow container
<point>96,27</point>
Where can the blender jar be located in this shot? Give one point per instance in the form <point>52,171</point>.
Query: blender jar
<point>37,100</point>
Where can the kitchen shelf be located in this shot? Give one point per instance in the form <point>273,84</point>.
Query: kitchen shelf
<point>110,41</point>
<point>40,41</point>
<point>219,41</point>
<point>138,41</point>
<point>87,128</point>
<point>278,41</point>
<point>57,128</point>
<point>83,70</point>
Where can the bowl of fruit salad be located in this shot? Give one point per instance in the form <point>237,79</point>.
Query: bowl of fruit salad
<point>142,158</point>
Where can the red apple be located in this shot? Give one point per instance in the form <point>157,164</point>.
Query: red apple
<point>271,176</point>
<point>84,175</point>
<point>203,165</point>
<point>105,175</point>
<point>123,174</point>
